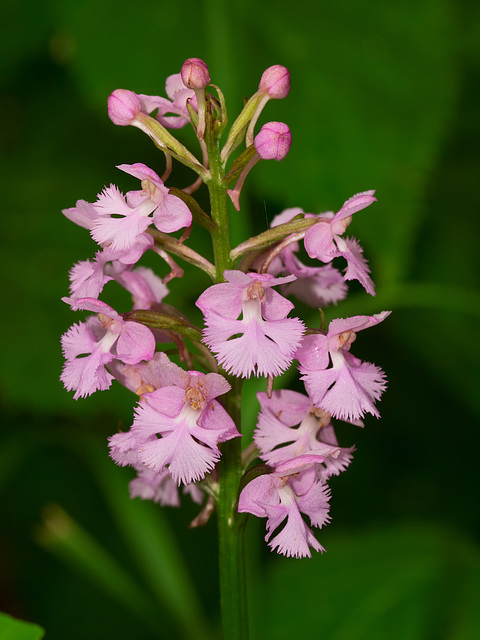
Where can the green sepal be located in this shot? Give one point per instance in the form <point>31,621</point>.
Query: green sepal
<point>266,239</point>
<point>193,114</point>
<point>198,214</point>
<point>177,248</point>
<point>164,140</point>
<point>156,320</point>
<point>239,127</point>
<point>239,164</point>
<point>323,320</point>
<point>220,124</point>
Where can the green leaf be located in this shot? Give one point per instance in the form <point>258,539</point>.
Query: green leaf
<point>13,629</point>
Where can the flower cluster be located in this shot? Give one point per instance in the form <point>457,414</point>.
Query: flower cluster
<point>188,407</point>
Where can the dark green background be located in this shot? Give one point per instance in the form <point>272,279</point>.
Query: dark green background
<point>384,96</point>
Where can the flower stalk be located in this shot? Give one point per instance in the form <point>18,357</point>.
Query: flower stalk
<point>230,523</point>
<point>231,527</point>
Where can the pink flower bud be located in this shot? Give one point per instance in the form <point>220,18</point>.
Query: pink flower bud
<point>195,74</point>
<point>275,81</point>
<point>123,107</point>
<point>273,141</point>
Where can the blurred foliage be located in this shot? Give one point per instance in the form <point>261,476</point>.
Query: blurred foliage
<point>11,629</point>
<point>384,96</point>
<point>391,582</point>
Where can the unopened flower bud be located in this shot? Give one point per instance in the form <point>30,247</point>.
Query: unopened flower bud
<point>275,81</point>
<point>123,107</point>
<point>195,74</point>
<point>273,141</point>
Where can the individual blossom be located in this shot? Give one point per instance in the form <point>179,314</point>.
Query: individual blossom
<point>316,286</point>
<point>289,425</point>
<point>291,489</point>
<point>89,346</point>
<point>324,240</point>
<point>180,425</point>
<point>86,215</point>
<point>263,341</point>
<point>122,221</point>
<point>337,381</point>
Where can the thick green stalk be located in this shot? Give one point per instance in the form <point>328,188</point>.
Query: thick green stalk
<point>218,204</point>
<point>233,600</point>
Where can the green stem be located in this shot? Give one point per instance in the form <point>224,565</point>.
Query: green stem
<point>231,525</point>
<point>233,601</point>
<point>218,204</point>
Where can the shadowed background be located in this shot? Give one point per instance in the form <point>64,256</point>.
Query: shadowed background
<point>383,97</point>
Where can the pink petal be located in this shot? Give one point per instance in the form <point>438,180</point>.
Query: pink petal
<point>188,460</point>
<point>313,352</point>
<point>356,203</point>
<point>319,242</point>
<point>136,342</point>
<point>172,214</point>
